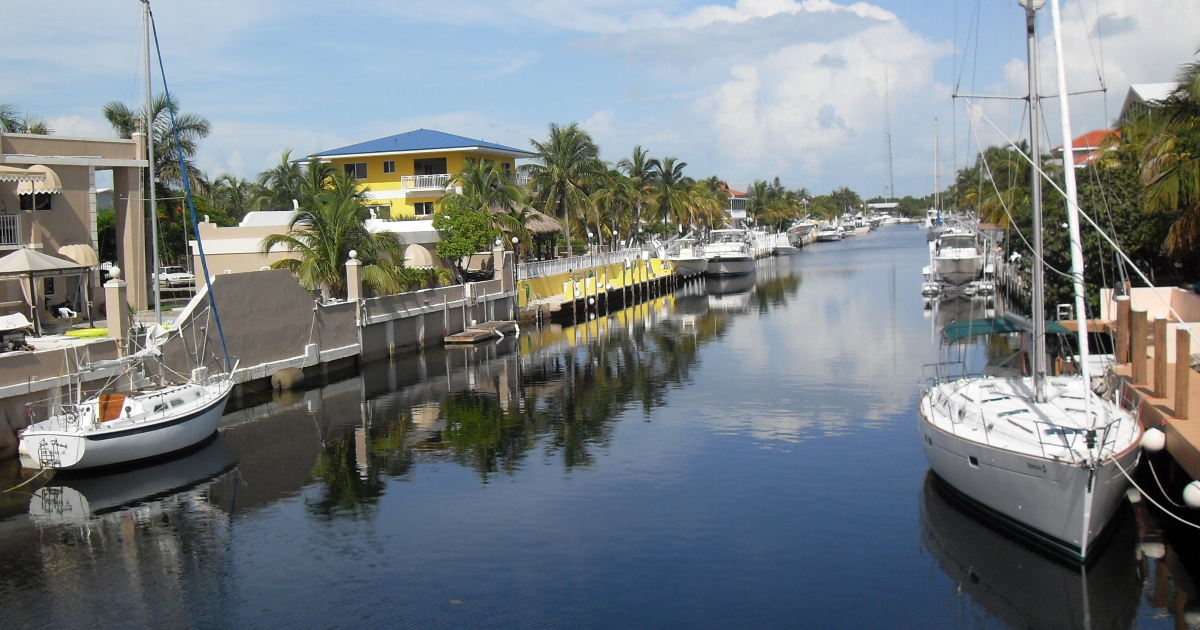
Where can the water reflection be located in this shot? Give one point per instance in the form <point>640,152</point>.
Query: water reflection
<point>1006,580</point>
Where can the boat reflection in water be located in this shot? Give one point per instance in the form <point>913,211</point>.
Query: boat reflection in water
<point>77,500</point>
<point>729,294</point>
<point>1022,587</point>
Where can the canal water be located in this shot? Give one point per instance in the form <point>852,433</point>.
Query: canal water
<point>738,454</point>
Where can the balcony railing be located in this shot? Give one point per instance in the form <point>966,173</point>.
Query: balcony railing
<point>424,181</point>
<point>10,230</point>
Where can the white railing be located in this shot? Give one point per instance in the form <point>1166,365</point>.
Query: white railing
<point>541,269</point>
<point>737,203</point>
<point>520,179</point>
<point>424,181</point>
<point>10,230</point>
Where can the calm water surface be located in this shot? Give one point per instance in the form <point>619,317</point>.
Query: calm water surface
<point>740,454</point>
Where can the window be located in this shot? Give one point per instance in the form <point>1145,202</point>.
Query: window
<point>175,402</point>
<point>423,208</point>
<point>357,170</point>
<point>389,167</point>
<point>48,285</point>
<point>36,201</point>
<point>506,167</point>
<point>380,211</point>
<point>429,166</point>
<point>160,407</point>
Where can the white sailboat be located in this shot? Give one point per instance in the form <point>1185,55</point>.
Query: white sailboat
<point>154,419</point>
<point>1043,455</point>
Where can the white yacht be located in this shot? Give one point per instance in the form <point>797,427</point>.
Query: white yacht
<point>687,257</point>
<point>957,257</point>
<point>1043,455</point>
<point>728,253</point>
<point>830,232</point>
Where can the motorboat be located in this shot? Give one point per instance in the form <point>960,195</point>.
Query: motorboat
<point>830,232</point>
<point>1045,456</point>
<point>687,257</point>
<point>783,244</point>
<point>957,257</point>
<point>802,233</point>
<point>728,253</point>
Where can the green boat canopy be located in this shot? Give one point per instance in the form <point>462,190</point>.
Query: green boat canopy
<point>996,326</point>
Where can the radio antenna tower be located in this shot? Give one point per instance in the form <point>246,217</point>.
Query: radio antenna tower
<point>887,137</point>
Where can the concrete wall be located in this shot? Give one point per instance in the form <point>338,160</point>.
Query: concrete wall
<point>1154,301</point>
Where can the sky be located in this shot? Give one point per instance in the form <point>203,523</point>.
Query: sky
<point>752,89</point>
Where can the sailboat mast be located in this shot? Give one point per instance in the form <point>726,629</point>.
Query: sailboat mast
<point>937,181</point>
<point>154,265</point>
<point>1038,311</point>
<point>887,136</point>
<point>1072,203</point>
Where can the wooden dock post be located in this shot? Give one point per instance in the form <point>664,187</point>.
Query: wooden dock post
<point>1122,332</point>
<point>1160,356</point>
<point>1183,369</point>
<point>1137,346</point>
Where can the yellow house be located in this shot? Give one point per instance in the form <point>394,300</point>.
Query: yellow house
<point>404,174</point>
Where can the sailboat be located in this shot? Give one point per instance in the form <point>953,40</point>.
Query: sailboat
<point>1044,455</point>
<point>154,419</point>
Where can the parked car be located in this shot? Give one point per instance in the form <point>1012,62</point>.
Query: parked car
<point>175,277</point>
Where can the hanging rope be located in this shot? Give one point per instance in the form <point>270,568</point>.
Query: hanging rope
<point>187,189</point>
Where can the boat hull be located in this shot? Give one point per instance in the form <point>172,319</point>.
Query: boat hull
<point>825,237</point>
<point>1043,499</point>
<point>690,266</point>
<point>730,265</point>
<point>958,270</point>
<point>64,450</point>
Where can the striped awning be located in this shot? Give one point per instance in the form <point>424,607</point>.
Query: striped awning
<point>49,182</point>
<point>13,174</point>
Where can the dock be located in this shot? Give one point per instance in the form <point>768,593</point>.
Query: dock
<point>482,332</point>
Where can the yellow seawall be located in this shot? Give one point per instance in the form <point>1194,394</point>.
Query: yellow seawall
<point>590,281</point>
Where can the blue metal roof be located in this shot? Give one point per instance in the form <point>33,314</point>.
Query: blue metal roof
<point>419,140</point>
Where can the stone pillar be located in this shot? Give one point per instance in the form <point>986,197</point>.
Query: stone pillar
<point>1122,332</point>
<point>116,299</point>
<point>131,232</point>
<point>1160,356</point>
<point>354,288</point>
<point>1183,370</point>
<point>1137,346</point>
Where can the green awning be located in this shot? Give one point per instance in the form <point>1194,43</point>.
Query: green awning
<point>995,326</point>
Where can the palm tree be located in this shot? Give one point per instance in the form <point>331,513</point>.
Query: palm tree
<point>1171,160</point>
<point>615,200</point>
<point>191,129</point>
<point>568,162</point>
<point>639,168</point>
<point>280,184</point>
<point>674,201</point>
<point>11,121</point>
<point>322,235</point>
<point>483,187</point>
<point>232,195</point>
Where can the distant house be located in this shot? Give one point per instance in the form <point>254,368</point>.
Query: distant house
<point>1086,148</point>
<point>1142,98</point>
<point>737,201</point>
<point>402,175</point>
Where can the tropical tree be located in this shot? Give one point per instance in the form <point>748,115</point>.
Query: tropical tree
<point>562,178</point>
<point>464,230</point>
<point>674,201</point>
<point>640,169</point>
<point>12,121</point>
<point>1170,159</point>
<point>281,184</point>
<point>191,128</point>
<point>322,235</point>
<point>614,200</point>
<point>232,195</point>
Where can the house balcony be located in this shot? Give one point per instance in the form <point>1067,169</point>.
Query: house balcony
<point>424,182</point>
<point>10,232</point>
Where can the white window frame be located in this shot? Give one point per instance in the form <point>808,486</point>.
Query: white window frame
<point>389,167</point>
<point>423,209</point>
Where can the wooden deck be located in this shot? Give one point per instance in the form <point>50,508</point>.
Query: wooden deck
<point>480,333</point>
<point>1183,434</point>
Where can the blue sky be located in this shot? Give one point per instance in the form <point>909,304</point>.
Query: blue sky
<point>744,90</point>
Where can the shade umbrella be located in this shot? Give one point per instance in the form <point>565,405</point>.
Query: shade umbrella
<point>86,257</point>
<point>30,264</point>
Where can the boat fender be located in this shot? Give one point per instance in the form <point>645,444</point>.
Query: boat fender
<point>1191,495</point>
<point>1153,440</point>
<point>287,378</point>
